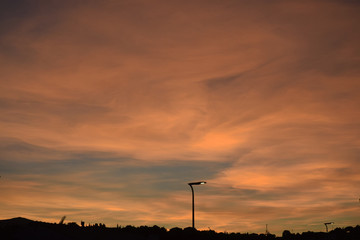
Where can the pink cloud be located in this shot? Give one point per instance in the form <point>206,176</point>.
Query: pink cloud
<point>268,89</point>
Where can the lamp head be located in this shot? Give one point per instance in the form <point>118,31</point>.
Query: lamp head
<point>197,183</point>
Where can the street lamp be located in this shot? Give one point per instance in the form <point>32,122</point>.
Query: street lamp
<point>193,204</point>
<point>326,225</point>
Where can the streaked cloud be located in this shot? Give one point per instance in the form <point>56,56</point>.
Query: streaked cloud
<point>108,109</point>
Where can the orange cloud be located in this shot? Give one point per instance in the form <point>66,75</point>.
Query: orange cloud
<point>107,109</point>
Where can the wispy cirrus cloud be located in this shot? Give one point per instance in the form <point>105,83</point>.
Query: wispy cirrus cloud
<point>107,109</point>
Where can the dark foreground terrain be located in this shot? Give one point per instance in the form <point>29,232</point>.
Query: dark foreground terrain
<point>21,229</point>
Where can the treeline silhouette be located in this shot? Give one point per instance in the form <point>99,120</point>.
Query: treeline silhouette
<point>24,229</point>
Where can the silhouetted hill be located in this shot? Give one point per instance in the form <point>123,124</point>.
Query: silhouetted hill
<point>15,221</point>
<point>21,228</point>
<point>25,229</point>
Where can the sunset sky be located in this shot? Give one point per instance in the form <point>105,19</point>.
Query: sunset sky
<point>108,108</point>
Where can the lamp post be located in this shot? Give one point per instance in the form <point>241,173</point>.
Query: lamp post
<point>193,204</point>
<point>326,225</point>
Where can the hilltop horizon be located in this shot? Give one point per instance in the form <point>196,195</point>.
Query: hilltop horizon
<point>25,229</point>
<point>24,221</point>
